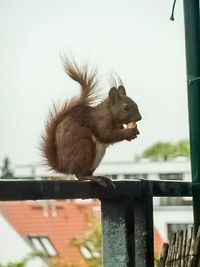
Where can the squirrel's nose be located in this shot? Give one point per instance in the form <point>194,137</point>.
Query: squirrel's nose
<point>139,117</point>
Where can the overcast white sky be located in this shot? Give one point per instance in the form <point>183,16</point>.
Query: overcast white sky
<point>133,37</point>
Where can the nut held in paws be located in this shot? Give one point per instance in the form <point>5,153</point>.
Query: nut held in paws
<point>131,125</point>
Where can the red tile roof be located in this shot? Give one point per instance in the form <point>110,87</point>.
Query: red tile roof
<point>60,221</point>
<point>158,243</point>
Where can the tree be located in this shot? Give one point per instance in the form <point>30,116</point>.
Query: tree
<point>90,246</point>
<point>182,149</point>
<point>6,172</point>
<point>166,150</point>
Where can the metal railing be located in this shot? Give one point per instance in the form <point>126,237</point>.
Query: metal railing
<point>127,211</point>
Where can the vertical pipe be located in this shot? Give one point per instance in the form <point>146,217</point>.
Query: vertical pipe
<point>192,40</point>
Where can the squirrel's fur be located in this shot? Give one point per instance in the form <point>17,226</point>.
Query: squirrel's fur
<point>77,132</point>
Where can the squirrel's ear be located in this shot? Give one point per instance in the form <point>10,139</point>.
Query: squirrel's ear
<point>121,90</point>
<point>114,95</point>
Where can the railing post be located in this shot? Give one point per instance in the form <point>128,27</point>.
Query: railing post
<point>192,40</point>
<point>144,245</point>
<point>118,232</point>
<point>128,232</point>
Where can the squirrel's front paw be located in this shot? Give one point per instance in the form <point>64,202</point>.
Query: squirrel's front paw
<point>131,134</point>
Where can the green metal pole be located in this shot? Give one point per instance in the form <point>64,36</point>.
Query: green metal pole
<point>192,40</point>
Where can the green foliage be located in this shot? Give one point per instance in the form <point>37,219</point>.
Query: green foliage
<point>155,263</point>
<point>182,149</point>
<point>23,262</point>
<point>166,150</point>
<point>90,246</point>
<point>57,264</point>
<point>19,264</point>
<point>160,150</point>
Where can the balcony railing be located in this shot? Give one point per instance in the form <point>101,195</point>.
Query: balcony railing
<point>127,211</point>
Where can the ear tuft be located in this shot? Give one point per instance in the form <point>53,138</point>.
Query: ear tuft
<point>114,95</point>
<point>122,90</point>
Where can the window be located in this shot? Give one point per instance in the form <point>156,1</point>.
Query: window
<point>42,244</point>
<point>175,201</point>
<point>136,176</point>
<point>88,251</point>
<point>171,176</point>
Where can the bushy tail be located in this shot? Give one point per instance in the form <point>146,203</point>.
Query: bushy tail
<point>48,144</point>
<point>86,79</point>
<point>88,84</point>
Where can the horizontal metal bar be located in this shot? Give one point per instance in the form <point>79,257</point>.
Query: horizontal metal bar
<point>63,189</point>
<point>167,188</point>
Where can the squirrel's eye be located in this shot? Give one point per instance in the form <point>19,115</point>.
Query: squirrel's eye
<point>126,107</point>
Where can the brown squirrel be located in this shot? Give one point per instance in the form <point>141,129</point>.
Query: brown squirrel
<point>77,135</point>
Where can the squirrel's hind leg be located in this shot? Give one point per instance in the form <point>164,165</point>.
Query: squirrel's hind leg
<point>102,180</point>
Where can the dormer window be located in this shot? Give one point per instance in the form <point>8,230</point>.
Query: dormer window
<point>43,244</point>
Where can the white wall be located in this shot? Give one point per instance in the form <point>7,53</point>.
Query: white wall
<point>13,247</point>
<point>171,215</point>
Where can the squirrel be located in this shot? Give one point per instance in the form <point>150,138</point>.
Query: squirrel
<point>77,134</point>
